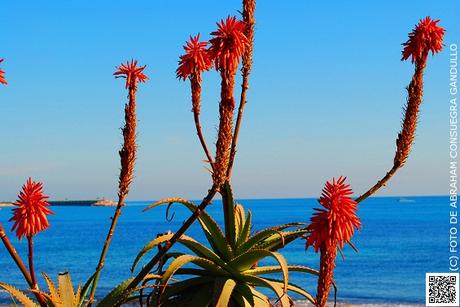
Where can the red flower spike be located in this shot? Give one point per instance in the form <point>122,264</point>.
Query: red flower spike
<point>30,216</point>
<point>2,75</point>
<point>131,72</point>
<point>195,60</point>
<point>334,225</point>
<point>427,36</point>
<point>229,43</point>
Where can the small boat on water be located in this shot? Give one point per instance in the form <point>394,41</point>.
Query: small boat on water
<point>406,200</point>
<point>105,203</point>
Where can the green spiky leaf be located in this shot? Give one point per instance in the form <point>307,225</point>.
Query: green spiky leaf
<point>85,289</point>
<point>211,229</point>
<point>245,230</point>
<point>247,260</point>
<point>281,239</point>
<point>184,285</point>
<point>294,288</point>
<point>276,269</point>
<point>19,295</point>
<point>194,297</point>
<point>260,300</point>
<point>223,289</point>
<point>65,289</point>
<point>77,297</point>
<point>53,292</point>
<point>183,260</point>
<point>245,295</point>
<point>263,234</point>
<point>149,246</point>
<point>240,219</point>
<point>277,288</point>
<point>203,252</point>
<point>229,214</point>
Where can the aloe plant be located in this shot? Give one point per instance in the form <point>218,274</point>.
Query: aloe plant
<point>64,295</point>
<point>227,272</point>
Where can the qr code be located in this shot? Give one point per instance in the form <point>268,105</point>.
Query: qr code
<point>442,289</point>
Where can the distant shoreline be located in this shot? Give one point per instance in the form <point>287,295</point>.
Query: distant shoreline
<point>85,203</point>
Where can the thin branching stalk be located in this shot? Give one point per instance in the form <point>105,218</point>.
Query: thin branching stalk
<point>108,239</point>
<point>248,17</point>
<point>195,82</point>
<point>406,136</point>
<point>425,38</point>
<point>15,256</point>
<point>191,64</point>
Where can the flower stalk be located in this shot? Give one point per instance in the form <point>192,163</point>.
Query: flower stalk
<point>227,48</point>
<point>225,134</point>
<point>133,75</point>
<point>249,7</point>
<point>30,245</point>
<point>427,36</point>
<point>191,65</point>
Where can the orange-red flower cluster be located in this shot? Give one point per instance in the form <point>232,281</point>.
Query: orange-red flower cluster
<point>427,36</point>
<point>334,225</point>
<point>229,43</point>
<point>2,75</point>
<point>30,216</point>
<point>195,60</point>
<point>131,72</point>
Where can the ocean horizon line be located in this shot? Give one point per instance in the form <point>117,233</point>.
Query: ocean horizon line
<point>308,198</point>
<point>403,197</point>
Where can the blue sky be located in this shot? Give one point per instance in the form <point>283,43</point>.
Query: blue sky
<point>326,97</point>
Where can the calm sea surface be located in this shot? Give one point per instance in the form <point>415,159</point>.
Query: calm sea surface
<point>400,241</point>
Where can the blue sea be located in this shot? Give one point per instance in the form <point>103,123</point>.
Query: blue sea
<point>401,239</point>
